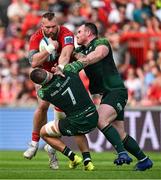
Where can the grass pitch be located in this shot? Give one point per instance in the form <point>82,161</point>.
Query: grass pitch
<point>14,166</point>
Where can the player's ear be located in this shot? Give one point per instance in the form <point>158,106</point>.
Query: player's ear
<point>88,32</point>
<point>41,25</point>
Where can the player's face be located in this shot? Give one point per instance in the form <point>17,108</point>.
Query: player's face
<point>50,28</point>
<point>82,35</point>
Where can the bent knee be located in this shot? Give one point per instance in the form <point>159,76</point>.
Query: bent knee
<point>43,132</point>
<point>107,115</point>
<point>51,129</point>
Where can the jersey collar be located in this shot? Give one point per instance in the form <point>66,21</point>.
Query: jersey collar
<point>91,42</point>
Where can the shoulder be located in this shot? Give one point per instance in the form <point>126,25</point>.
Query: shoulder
<point>65,31</point>
<point>102,41</point>
<point>35,40</point>
<point>38,35</point>
<point>40,93</point>
<point>66,37</point>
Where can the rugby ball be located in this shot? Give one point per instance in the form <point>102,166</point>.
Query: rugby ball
<point>42,46</point>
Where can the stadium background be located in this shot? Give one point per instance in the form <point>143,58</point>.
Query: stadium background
<point>134,31</point>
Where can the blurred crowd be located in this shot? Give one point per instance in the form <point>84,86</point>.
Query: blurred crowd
<point>133,27</point>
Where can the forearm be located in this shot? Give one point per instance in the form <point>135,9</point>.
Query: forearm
<point>91,58</point>
<point>65,55</point>
<point>74,67</point>
<point>64,60</point>
<point>95,56</point>
<point>39,58</point>
<point>77,56</point>
<point>83,61</point>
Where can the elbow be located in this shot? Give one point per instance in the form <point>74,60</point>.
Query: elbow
<point>33,62</point>
<point>33,65</point>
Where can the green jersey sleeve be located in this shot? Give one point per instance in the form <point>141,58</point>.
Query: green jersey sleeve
<point>101,41</point>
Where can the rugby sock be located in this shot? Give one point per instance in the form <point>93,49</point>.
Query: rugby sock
<point>34,143</point>
<point>113,137</point>
<point>132,147</point>
<point>35,136</point>
<point>69,153</point>
<point>86,158</point>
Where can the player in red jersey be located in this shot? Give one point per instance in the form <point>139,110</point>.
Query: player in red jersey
<point>52,34</point>
<point>51,45</point>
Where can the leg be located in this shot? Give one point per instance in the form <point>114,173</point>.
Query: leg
<point>40,118</point>
<point>53,161</point>
<point>132,147</point>
<point>107,115</point>
<point>82,143</point>
<point>51,134</point>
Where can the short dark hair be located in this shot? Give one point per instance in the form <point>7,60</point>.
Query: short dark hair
<point>38,75</point>
<point>92,28</point>
<point>49,15</point>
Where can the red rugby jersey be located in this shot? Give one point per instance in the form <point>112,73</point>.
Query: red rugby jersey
<point>65,37</point>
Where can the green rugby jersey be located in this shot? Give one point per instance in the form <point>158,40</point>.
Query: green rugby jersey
<point>68,94</point>
<point>103,75</point>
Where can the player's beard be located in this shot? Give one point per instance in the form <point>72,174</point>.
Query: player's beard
<point>49,35</point>
<point>52,35</point>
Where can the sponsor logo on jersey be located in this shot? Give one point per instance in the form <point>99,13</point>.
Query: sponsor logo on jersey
<point>40,94</point>
<point>90,48</point>
<point>58,85</point>
<point>119,107</point>
<point>68,40</point>
<point>85,131</point>
<point>69,132</point>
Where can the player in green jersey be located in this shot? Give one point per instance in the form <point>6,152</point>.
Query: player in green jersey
<point>95,56</point>
<point>68,94</point>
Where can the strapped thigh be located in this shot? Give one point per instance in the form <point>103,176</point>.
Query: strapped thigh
<point>52,128</point>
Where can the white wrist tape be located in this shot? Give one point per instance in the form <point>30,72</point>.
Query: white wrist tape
<point>61,67</point>
<point>50,48</point>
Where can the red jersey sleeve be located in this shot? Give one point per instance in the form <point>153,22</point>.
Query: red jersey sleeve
<point>65,37</point>
<point>35,40</point>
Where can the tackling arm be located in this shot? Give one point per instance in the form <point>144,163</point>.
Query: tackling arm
<point>97,55</point>
<point>65,55</point>
<point>37,58</point>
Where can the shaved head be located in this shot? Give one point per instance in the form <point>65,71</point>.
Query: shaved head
<point>38,75</point>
